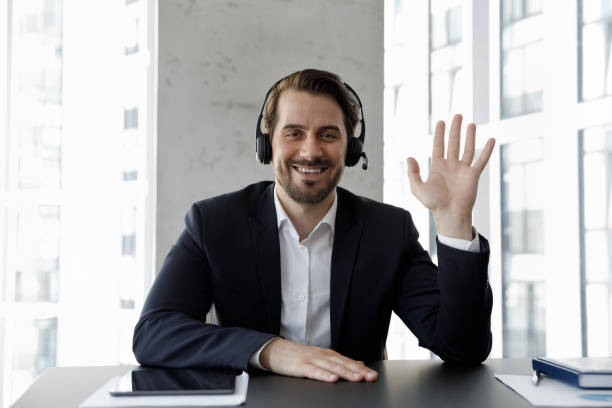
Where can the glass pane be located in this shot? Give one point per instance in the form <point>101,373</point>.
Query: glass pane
<point>596,47</point>
<point>511,10</point>
<point>440,96</point>
<point>39,162</point>
<point>596,139</point>
<point>439,36</point>
<point>512,80</point>
<point>34,349</point>
<point>514,232</point>
<point>448,83</point>
<point>459,93</point>
<point>454,25</point>
<point>598,245</point>
<point>515,320</point>
<point>522,63</point>
<point>598,320</point>
<point>130,118</point>
<point>595,10</point>
<point>523,308</point>
<point>596,184</point>
<point>596,187</point>
<point>131,35</point>
<point>522,151</point>
<point>524,320</point>
<point>535,179</point>
<point>127,282</point>
<point>514,188</point>
<point>401,26</point>
<point>533,6</point>
<point>534,231</point>
<point>36,92</point>
<point>534,77</point>
<point>38,246</point>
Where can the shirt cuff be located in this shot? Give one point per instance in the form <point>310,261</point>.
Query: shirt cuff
<point>254,360</point>
<point>462,244</point>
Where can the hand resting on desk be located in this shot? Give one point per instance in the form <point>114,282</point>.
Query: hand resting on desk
<point>297,360</point>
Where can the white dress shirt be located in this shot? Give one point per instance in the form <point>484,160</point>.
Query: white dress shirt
<point>305,278</point>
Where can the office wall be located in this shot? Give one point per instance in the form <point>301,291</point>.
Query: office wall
<point>216,61</point>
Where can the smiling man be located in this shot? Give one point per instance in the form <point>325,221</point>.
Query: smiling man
<point>303,274</point>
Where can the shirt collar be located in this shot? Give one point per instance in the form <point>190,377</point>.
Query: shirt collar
<point>329,218</point>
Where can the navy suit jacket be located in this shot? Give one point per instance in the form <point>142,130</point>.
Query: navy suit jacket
<point>229,254</point>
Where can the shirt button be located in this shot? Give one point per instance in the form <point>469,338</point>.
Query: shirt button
<point>303,248</point>
<point>301,298</point>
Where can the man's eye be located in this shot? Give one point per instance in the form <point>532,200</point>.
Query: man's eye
<point>330,135</point>
<point>292,134</point>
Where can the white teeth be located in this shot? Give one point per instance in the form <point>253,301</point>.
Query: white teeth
<point>303,170</point>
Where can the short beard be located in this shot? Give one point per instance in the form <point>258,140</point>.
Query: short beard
<point>297,196</point>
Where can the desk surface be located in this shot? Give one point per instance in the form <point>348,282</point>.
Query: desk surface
<point>415,383</point>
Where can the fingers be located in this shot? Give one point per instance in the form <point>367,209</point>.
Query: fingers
<point>414,173</point>
<point>347,368</point>
<point>438,144</point>
<point>485,155</point>
<point>329,365</point>
<point>454,144</point>
<point>454,138</point>
<point>470,142</point>
<point>320,374</point>
<point>338,370</point>
<point>298,360</point>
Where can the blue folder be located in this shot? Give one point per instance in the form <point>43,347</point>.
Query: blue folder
<point>588,372</point>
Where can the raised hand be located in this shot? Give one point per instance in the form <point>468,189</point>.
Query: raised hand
<point>451,187</point>
<point>297,360</point>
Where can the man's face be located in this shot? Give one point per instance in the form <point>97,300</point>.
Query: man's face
<point>308,145</point>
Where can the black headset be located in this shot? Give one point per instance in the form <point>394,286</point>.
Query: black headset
<point>354,148</point>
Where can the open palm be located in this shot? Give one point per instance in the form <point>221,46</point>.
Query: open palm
<point>451,187</point>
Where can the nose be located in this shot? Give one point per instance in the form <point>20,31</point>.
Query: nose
<point>311,148</point>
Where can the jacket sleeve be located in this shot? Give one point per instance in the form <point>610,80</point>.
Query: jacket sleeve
<point>448,308</point>
<point>172,331</point>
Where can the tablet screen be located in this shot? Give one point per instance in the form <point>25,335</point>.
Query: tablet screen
<point>161,381</point>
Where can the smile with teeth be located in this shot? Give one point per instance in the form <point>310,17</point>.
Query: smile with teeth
<point>309,171</point>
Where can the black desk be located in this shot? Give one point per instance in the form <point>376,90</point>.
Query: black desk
<point>400,384</point>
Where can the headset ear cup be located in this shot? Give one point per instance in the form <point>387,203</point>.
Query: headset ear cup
<point>353,151</point>
<point>268,143</point>
<point>266,149</point>
<point>263,148</point>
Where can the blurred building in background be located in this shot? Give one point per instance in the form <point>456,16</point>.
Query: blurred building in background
<point>75,154</point>
<point>537,76</point>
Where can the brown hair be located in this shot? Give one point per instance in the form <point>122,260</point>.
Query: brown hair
<point>319,83</point>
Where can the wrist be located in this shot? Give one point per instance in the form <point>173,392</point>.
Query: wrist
<point>264,356</point>
<point>453,226</point>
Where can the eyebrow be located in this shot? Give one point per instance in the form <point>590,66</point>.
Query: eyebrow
<point>298,126</point>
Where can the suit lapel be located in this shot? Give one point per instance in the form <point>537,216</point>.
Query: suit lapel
<point>347,236</point>
<point>264,232</point>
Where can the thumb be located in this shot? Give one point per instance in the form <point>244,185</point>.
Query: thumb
<point>414,175</point>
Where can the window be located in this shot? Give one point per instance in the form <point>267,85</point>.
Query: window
<point>35,350</point>
<point>596,223</point>
<point>31,194</point>
<point>523,286</point>
<point>75,207</point>
<point>595,47</point>
<point>522,57</point>
<point>447,59</point>
<point>130,118</point>
<point>546,199</point>
<point>38,254</point>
